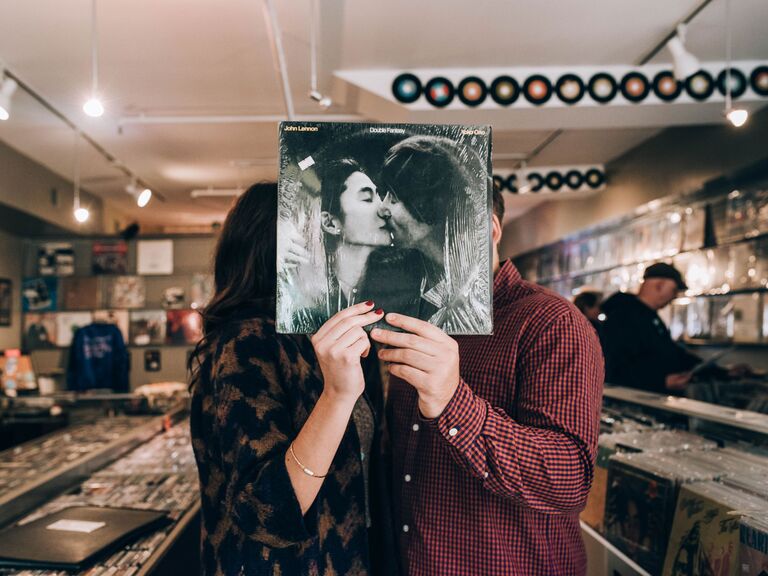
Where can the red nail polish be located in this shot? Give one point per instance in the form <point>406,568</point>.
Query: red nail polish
<point>369,303</point>
<point>380,311</point>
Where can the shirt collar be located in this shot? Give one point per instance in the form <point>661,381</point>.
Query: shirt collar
<point>504,283</point>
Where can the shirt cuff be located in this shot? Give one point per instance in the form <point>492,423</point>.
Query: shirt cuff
<point>463,418</point>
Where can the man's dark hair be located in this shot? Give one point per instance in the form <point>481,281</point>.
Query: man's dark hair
<point>586,300</point>
<point>498,204</point>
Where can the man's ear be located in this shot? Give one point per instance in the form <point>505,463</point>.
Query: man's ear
<point>496,229</point>
<point>330,224</point>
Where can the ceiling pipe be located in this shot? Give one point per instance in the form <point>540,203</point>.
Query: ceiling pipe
<point>278,54</point>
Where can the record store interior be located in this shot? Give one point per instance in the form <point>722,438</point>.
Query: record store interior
<point>605,410</point>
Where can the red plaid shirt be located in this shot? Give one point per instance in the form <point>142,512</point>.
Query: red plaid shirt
<point>495,484</point>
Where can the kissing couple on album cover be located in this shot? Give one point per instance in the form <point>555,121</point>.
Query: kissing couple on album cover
<point>398,215</point>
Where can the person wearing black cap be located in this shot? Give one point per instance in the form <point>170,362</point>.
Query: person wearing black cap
<point>639,350</point>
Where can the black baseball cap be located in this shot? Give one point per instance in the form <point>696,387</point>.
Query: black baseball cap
<point>663,270</point>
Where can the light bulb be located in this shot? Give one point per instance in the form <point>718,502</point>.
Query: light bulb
<point>737,116</point>
<point>144,198</point>
<point>82,215</point>
<point>7,88</point>
<point>4,113</point>
<point>93,107</point>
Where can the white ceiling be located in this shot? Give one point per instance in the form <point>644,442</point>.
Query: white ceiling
<point>203,57</point>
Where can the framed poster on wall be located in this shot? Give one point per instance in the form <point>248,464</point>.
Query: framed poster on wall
<point>6,301</point>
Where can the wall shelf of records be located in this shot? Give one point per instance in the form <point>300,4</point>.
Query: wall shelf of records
<point>151,289</point>
<point>680,487</point>
<point>717,237</point>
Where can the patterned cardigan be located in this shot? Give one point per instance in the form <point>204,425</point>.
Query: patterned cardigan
<point>250,399</point>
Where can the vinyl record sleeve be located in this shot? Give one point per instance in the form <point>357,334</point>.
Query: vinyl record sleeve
<point>73,537</point>
<point>395,213</point>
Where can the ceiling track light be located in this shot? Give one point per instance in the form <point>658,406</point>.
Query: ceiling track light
<point>685,64</point>
<point>323,101</point>
<point>736,116</point>
<point>7,88</point>
<point>142,195</point>
<point>93,106</point>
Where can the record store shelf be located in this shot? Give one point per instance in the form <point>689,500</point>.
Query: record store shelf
<point>147,463</point>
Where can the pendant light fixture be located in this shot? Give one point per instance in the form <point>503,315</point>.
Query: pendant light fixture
<point>684,63</point>
<point>93,106</point>
<point>736,116</point>
<point>81,213</point>
<point>323,101</point>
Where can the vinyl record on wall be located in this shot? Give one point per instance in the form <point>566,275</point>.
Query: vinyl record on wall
<point>759,80</point>
<point>666,86</point>
<point>498,183</point>
<point>472,91</point>
<point>574,179</point>
<point>511,183</point>
<point>439,92</point>
<point>700,85</point>
<point>594,178</point>
<point>635,87</point>
<point>537,89</point>
<point>536,181</point>
<point>505,90</point>
<point>570,88</point>
<point>738,82</point>
<point>554,180</point>
<point>406,88</point>
<point>602,87</point>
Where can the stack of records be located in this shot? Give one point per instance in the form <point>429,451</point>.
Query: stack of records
<point>642,494</point>
<point>753,546</point>
<point>705,533</point>
<point>642,440</point>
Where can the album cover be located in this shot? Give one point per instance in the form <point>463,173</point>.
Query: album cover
<point>39,294</point>
<point>395,213</point>
<point>67,323</point>
<point>201,292</point>
<point>56,259</point>
<point>110,257</point>
<point>705,533</point>
<point>39,331</point>
<point>16,373</point>
<point>184,327</point>
<point>173,297</point>
<point>6,301</point>
<point>693,227</point>
<point>154,257</point>
<point>127,292</point>
<point>746,317</point>
<point>753,547</point>
<point>117,317</point>
<point>81,293</point>
<point>148,327</point>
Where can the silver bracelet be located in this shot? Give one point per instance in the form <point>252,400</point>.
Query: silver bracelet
<point>304,469</point>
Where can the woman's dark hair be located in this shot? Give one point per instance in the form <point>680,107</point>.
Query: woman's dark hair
<point>244,272</point>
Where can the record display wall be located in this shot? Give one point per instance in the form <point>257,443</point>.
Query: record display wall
<point>600,87</point>
<point>552,179</point>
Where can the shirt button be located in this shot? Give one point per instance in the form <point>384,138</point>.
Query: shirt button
<point>453,432</point>
<point>485,474</point>
<point>407,477</point>
<point>405,528</point>
<point>415,427</point>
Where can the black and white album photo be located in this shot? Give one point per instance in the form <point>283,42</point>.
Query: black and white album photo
<point>399,214</point>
